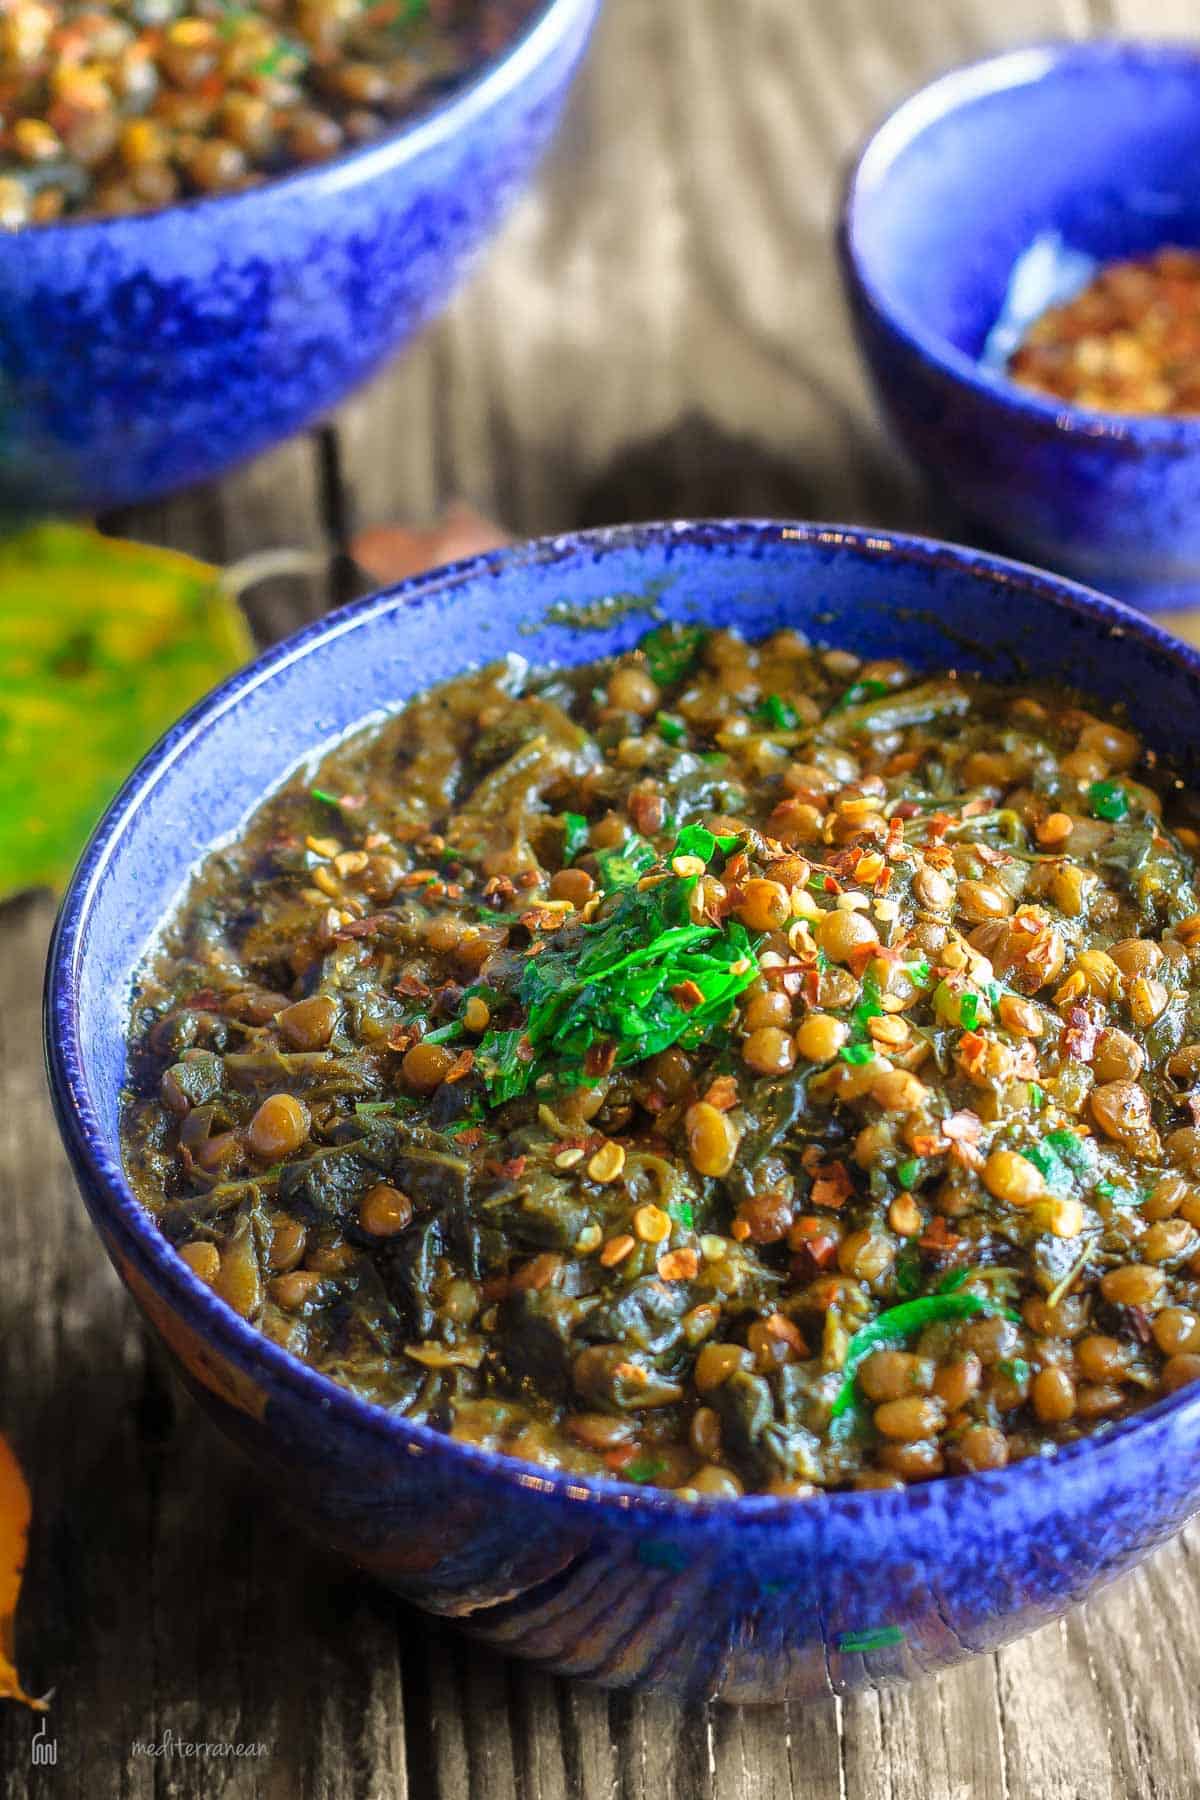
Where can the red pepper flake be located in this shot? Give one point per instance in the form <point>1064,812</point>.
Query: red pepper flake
<point>621,1457</point>
<point>927,1143</point>
<point>736,869</point>
<point>462,1065</point>
<point>937,827</point>
<point>471,1138</point>
<point>974,809</point>
<point>403,1037</point>
<point>515,1167</point>
<point>812,987</point>
<point>965,1126</point>
<point>783,1328</point>
<point>883,880</point>
<point>722,1093</point>
<point>832,885</point>
<point>688,994</point>
<point>859,957</point>
<point>419,878</point>
<point>938,1236</point>
<point>598,1059</point>
<point>411,986</point>
<point>498,887</point>
<point>524,1051</point>
<point>363,928</point>
<point>789,977</point>
<point>1140,1323</point>
<point>832,1185</point>
<point>543,918</point>
<point>972,1051</point>
<point>205,1000</point>
<point>1077,1039</point>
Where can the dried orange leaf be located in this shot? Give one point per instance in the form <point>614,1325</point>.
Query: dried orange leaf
<point>395,552</point>
<point>15,1514</point>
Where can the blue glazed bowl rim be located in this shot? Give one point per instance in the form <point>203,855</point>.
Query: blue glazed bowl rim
<point>253,1353</point>
<point>490,84</point>
<point>956,90</point>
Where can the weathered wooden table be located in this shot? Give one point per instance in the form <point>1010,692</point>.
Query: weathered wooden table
<point>659,332</point>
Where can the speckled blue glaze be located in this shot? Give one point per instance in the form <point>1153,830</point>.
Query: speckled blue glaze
<point>140,354</point>
<point>754,1600</point>
<point>1100,142</point>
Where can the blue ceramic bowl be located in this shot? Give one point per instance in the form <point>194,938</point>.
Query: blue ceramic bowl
<point>140,354</point>
<point>756,1599</point>
<point>1098,142</point>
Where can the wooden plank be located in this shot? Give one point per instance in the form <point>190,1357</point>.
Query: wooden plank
<point>658,331</point>
<point>274,504</point>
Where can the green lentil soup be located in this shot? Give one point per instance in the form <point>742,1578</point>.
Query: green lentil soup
<point>730,1067</point>
<point>115,108</point>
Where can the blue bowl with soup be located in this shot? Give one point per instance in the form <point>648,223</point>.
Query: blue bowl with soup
<point>145,351</point>
<point>599,1569</point>
<point>994,192</point>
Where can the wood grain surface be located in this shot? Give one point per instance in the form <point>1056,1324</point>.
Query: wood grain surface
<point>658,332</point>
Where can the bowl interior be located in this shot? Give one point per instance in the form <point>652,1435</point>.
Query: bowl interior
<point>935,606</point>
<point>1096,142</point>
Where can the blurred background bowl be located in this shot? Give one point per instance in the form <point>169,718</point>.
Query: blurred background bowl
<point>1100,143</point>
<point>754,1599</point>
<point>141,354</point>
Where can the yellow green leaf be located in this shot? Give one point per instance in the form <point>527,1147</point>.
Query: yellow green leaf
<point>103,644</point>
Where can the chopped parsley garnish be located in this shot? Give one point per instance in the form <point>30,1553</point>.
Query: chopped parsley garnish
<point>1066,1163</point>
<point>698,840</point>
<point>671,650</point>
<point>646,1468</point>
<point>893,1329</point>
<point>968,1011</point>
<point>908,1173</point>
<point>326,799</point>
<point>776,712</point>
<point>1037,1096</point>
<point>681,1212</point>
<point>626,986</point>
<point>862,1642</point>
<point>671,728</point>
<point>856,1053</point>
<point>860,691</point>
<point>625,867</point>
<point>1108,800</point>
<point>1016,1370</point>
<point>575,835</point>
<point>918,971</point>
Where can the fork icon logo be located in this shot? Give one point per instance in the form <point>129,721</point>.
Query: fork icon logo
<point>43,1750</point>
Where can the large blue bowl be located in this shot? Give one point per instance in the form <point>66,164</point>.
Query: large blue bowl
<point>1100,143</point>
<point>140,354</point>
<point>755,1599</point>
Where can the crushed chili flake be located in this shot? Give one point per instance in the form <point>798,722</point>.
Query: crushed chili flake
<point>722,1093</point>
<point>688,994</point>
<point>832,1185</point>
<point>1079,1035</point>
<point>462,1065</point>
<point>598,1059</point>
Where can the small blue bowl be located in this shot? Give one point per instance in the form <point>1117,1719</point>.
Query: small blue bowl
<point>140,354</point>
<point>1098,142</point>
<point>751,1600</point>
